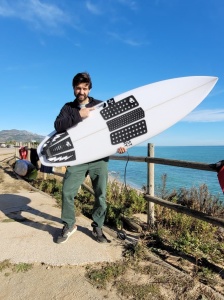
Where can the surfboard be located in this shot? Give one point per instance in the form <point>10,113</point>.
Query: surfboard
<point>125,120</point>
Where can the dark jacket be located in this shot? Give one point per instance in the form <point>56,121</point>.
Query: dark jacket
<point>69,114</point>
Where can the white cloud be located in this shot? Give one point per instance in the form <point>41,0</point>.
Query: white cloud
<point>207,115</point>
<point>5,9</point>
<point>126,40</point>
<point>129,3</point>
<point>34,11</point>
<point>99,7</point>
<point>93,8</point>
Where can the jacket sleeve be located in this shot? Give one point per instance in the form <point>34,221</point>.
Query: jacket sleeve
<point>68,117</point>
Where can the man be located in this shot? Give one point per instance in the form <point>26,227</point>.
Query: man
<point>71,114</point>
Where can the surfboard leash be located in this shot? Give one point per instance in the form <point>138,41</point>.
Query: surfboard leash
<point>125,171</point>
<point>121,234</point>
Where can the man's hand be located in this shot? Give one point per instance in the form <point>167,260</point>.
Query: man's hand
<point>121,150</point>
<point>84,112</point>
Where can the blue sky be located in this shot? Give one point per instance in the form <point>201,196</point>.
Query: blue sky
<point>123,44</point>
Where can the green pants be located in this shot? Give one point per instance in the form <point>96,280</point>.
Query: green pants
<point>74,177</point>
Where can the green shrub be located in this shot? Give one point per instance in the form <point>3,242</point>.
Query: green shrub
<point>182,232</point>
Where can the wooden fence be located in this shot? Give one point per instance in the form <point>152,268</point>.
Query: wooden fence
<point>149,195</point>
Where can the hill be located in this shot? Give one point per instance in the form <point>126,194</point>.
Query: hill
<point>19,136</point>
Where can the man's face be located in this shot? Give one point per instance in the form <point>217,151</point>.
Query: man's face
<point>81,91</point>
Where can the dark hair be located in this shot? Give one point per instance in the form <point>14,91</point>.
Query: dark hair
<point>82,78</point>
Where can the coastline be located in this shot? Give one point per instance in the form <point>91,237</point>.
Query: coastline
<point>177,177</point>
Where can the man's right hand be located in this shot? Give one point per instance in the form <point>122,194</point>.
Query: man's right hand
<point>84,112</point>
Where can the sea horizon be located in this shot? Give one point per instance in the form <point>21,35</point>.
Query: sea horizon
<point>177,177</point>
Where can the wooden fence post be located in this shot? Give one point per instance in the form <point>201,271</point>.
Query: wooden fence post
<point>17,150</point>
<point>150,187</point>
<point>18,145</point>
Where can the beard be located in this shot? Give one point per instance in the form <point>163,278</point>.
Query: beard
<point>81,97</point>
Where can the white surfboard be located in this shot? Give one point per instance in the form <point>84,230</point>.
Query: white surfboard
<point>125,120</point>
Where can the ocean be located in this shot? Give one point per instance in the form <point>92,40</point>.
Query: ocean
<point>177,177</point>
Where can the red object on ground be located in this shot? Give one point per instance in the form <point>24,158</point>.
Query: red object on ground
<point>221,178</point>
<point>23,152</point>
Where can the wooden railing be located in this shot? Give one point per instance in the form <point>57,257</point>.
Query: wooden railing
<point>149,194</point>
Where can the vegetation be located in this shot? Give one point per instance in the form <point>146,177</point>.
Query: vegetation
<point>50,186</point>
<point>187,234</point>
<point>174,235</point>
<point>181,232</point>
<point>6,265</point>
<point>139,276</point>
<point>191,245</point>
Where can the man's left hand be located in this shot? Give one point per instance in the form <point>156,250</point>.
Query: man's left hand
<point>121,150</point>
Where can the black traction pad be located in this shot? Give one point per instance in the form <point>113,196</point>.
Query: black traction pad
<point>117,108</point>
<point>126,119</point>
<point>68,156</point>
<point>55,147</point>
<point>60,147</point>
<point>54,139</point>
<point>127,133</point>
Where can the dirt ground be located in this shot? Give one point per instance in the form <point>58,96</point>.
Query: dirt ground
<point>69,282</point>
<point>41,281</point>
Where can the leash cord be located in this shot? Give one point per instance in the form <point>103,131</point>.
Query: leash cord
<point>125,171</point>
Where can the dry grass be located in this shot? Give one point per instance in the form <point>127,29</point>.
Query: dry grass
<point>141,276</point>
<point>7,267</point>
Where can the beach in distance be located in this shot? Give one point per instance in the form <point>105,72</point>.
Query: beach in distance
<point>177,177</point>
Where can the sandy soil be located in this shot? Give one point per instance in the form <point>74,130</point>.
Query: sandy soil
<point>42,281</point>
<point>69,282</point>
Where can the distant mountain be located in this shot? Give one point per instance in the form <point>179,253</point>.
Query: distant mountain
<point>19,136</point>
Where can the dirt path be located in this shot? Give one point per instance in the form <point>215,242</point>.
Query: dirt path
<point>41,281</point>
